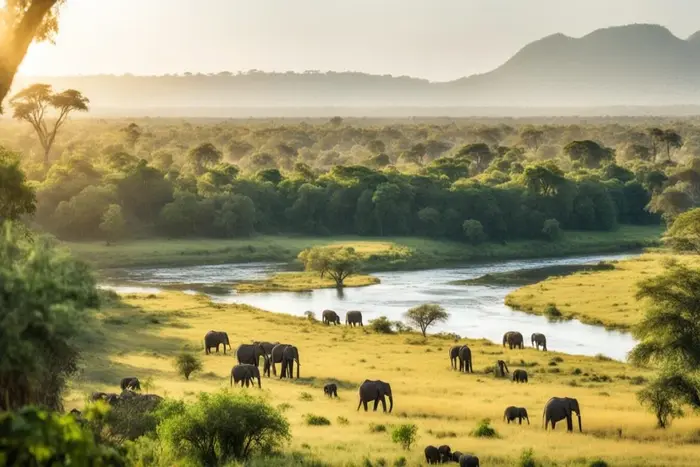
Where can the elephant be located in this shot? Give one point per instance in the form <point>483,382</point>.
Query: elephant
<point>501,368</point>
<point>96,396</point>
<point>245,373</point>
<point>445,453</point>
<point>560,408</point>
<point>275,357</point>
<point>468,460</point>
<point>331,390</point>
<point>330,316</point>
<point>520,376</point>
<point>130,382</point>
<point>251,353</point>
<point>539,339</point>
<point>289,356</point>
<point>215,339</point>
<point>353,318</point>
<point>454,357</point>
<point>455,456</point>
<point>465,359</point>
<point>511,413</point>
<point>267,346</point>
<point>375,391</point>
<point>513,339</point>
<point>432,455</point>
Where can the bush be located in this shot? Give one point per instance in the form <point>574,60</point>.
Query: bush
<point>316,420</point>
<point>474,231</point>
<point>187,363</point>
<point>551,230</point>
<point>484,430</point>
<point>343,421</point>
<point>552,312</point>
<point>374,428</point>
<point>222,427</point>
<point>310,316</point>
<point>598,463</point>
<point>527,459</point>
<point>405,435</point>
<point>381,325</point>
<point>400,462</point>
<point>305,396</point>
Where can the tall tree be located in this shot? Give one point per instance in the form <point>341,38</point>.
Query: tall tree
<point>21,23</point>
<point>590,153</point>
<point>33,105</point>
<point>655,135</point>
<point>672,140</point>
<point>16,197</point>
<point>426,315</point>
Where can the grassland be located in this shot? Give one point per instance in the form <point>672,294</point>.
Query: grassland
<point>301,282</point>
<point>142,335</point>
<point>380,253</point>
<point>598,297</point>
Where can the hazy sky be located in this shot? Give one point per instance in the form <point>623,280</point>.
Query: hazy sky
<point>434,39</point>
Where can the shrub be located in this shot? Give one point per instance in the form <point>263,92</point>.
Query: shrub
<point>187,363</point>
<point>405,435</point>
<point>484,430</point>
<point>316,420</point>
<point>343,421</point>
<point>603,358</point>
<point>577,371</point>
<point>552,312</point>
<point>400,462</point>
<point>222,427</point>
<point>374,428</point>
<point>305,396</point>
<point>474,231</point>
<point>310,316</point>
<point>381,325</point>
<point>527,459</point>
<point>551,230</point>
<point>598,463</point>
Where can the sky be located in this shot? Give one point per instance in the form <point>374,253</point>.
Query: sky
<point>435,39</point>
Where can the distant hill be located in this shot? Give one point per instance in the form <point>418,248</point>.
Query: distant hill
<point>634,65</point>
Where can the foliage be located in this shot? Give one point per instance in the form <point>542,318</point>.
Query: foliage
<point>405,435</point>
<point>552,312</point>
<point>381,325</point>
<point>128,420</point>
<point>527,458</point>
<point>113,224</point>
<point>666,395</point>
<point>484,430</point>
<point>424,316</point>
<point>377,428</point>
<point>316,420</point>
<point>222,427</point>
<point>474,231</point>
<point>598,463</point>
<point>32,436</point>
<point>684,233</point>
<point>44,300</point>
<point>551,230</point>
<point>338,263</point>
<point>187,363</point>
<point>17,198</point>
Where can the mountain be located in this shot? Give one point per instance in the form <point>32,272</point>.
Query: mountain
<point>633,65</point>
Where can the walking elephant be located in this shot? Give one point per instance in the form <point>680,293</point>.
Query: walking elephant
<point>560,408</point>
<point>539,340</point>
<point>245,373</point>
<point>130,382</point>
<point>215,339</point>
<point>251,353</point>
<point>511,413</point>
<point>330,316</point>
<point>275,357</point>
<point>465,359</point>
<point>432,455</point>
<point>468,460</point>
<point>454,357</point>
<point>501,369</point>
<point>289,356</point>
<point>353,318</point>
<point>513,339</point>
<point>331,390</point>
<point>445,453</point>
<point>375,391</point>
<point>519,376</point>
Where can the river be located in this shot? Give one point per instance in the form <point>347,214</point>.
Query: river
<point>475,311</point>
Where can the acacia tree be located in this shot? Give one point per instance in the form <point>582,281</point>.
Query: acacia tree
<point>33,104</point>
<point>338,263</point>
<point>672,140</point>
<point>21,23</point>
<point>426,315</point>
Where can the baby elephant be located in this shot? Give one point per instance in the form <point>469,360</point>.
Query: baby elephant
<point>455,456</point>
<point>520,376</point>
<point>432,455</point>
<point>130,382</point>
<point>511,413</point>
<point>445,453</point>
<point>330,390</point>
<point>467,460</point>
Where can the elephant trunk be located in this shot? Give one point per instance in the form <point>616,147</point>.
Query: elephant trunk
<point>391,402</point>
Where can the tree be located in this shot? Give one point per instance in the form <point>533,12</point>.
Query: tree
<point>670,203</point>
<point>16,197</point>
<point>655,136</point>
<point>588,152</point>
<point>203,157</point>
<point>405,435</point>
<point>33,103</point>
<point>113,224</point>
<point>551,230</point>
<point>132,134</point>
<point>684,233</point>
<point>672,140</point>
<point>479,154</point>
<point>338,263</point>
<point>474,231</point>
<point>23,22</point>
<point>544,179</point>
<point>424,316</point>
<point>188,363</point>
<point>531,137</point>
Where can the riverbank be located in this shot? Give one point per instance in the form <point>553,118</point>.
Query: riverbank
<point>445,405</point>
<point>535,275</point>
<point>380,254</point>
<point>604,298</point>
<point>300,282</point>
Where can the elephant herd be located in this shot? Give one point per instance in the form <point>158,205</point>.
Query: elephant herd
<point>129,387</point>
<point>352,318</point>
<point>555,410</point>
<point>515,340</point>
<point>444,454</point>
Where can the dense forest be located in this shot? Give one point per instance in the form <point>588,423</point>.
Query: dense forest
<point>461,180</point>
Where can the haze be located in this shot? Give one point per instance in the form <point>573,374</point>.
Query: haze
<point>439,40</point>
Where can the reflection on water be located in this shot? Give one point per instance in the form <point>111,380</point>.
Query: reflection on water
<point>475,311</point>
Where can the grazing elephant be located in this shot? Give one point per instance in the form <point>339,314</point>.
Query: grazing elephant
<point>432,455</point>
<point>331,390</point>
<point>445,453</point>
<point>501,368</point>
<point>520,376</point>
<point>560,408</point>
<point>275,357</point>
<point>468,460</point>
<point>513,339</point>
<point>353,318</point>
<point>251,353</point>
<point>454,357</point>
<point>215,339</point>
<point>538,340</point>
<point>267,346</point>
<point>245,373</point>
<point>330,316</point>
<point>375,391</point>
<point>289,356</point>
<point>455,456</point>
<point>465,359</point>
<point>511,413</point>
<point>130,382</point>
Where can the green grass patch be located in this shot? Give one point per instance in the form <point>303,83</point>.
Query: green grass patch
<point>300,282</point>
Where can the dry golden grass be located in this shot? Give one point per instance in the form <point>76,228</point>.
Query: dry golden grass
<point>300,282</point>
<point>143,335</point>
<point>602,297</point>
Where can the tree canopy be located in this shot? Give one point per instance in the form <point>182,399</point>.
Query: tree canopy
<point>424,316</point>
<point>337,263</point>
